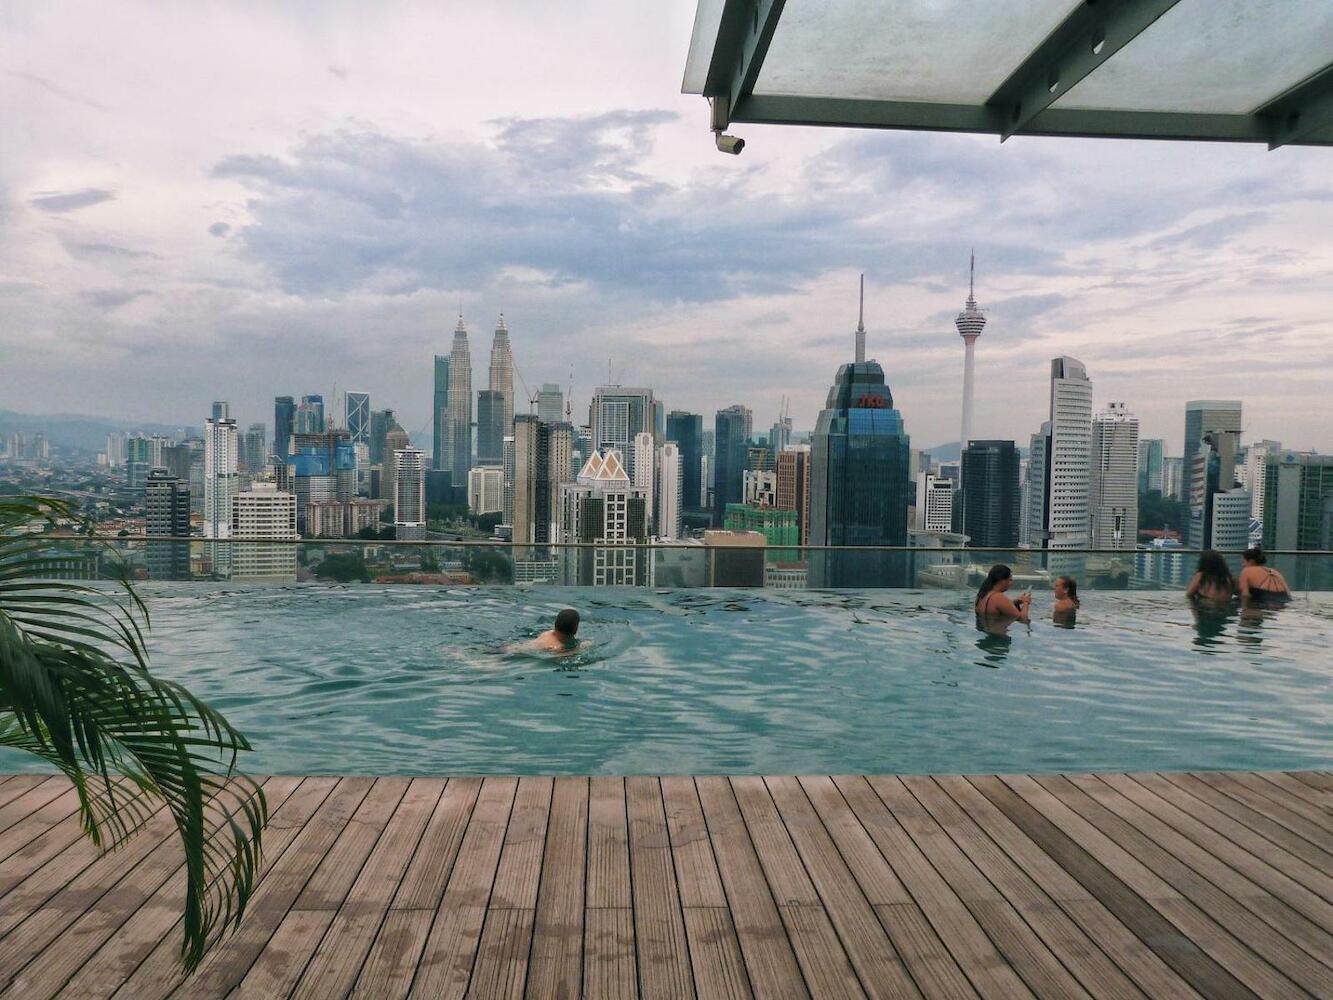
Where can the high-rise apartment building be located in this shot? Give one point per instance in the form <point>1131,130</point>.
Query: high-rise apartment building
<point>617,414</point>
<point>550,404</point>
<point>1173,477</point>
<point>356,417</point>
<point>793,486</point>
<point>541,465</point>
<point>602,507</point>
<point>509,469</point>
<point>486,489</point>
<point>1113,501</point>
<point>667,522</point>
<point>1229,524</point>
<point>991,498</point>
<point>687,430</point>
<point>221,483</point>
<point>1152,455</point>
<point>491,426</point>
<point>263,512</point>
<point>779,435</point>
<point>643,464</point>
<point>167,514</point>
<point>440,411</point>
<point>934,503</point>
<point>458,454</point>
<point>501,380</point>
<point>732,429</point>
<point>395,440</point>
<point>1036,490</point>
<point>1298,505</point>
<point>1209,464</point>
<point>115,450</point>
<point>409,494</point>
<point>138,461</point>
<point>1257,456</point>
<point>1066,468</point>
<point>284,424</point>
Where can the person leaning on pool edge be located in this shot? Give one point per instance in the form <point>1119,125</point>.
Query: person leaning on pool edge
<point>991,600</point>
<point>1260,582</point>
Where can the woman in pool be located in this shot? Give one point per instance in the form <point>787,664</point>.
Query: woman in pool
<point>1213,580</point>
<point>1260,582</point>
<point>1066,598</point>
<point>991,600</point>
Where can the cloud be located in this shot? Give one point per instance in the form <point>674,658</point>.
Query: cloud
<point>55,89</point>
<point>341,72</point>
<point>113,298</point>
<point>219,229</point>
<point>92,249</point>
<point>69,201</point>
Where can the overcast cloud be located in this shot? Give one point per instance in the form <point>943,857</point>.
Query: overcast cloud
<point>179,224</point>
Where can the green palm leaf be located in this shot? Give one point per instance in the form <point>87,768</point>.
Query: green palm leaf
<point>76,690</point>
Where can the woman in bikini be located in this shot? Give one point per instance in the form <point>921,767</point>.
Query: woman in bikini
<point>991,600</point>
<point>1066,599</point>
<point>1213,580</point>
<point>1260,582</point>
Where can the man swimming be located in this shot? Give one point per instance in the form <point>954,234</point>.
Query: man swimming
<point>561,638</point>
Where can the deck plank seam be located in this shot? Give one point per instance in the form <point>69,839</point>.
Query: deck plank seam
<point>675,877</point>
<point>1272,809</point>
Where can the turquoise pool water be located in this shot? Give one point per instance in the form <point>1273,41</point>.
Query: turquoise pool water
<point>411,680</point>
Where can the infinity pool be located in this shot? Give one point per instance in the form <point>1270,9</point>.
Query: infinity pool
<point>409,680</point>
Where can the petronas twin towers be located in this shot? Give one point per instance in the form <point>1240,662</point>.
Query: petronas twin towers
<point>453,418</point>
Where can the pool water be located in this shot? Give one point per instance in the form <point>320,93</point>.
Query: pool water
<point>414,680</point>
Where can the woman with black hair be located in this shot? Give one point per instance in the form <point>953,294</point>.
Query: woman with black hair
<point>991,600</point>
<point>1212,580</point>
<point>1261,582</point>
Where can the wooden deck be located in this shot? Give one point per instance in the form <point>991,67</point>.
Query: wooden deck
<point>1111,885</point>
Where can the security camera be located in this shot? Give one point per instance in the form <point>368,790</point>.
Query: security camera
<point>730,143</point>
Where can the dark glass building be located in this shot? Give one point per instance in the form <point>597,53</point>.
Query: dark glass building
<point>859,480</point>
<point>731,438</point>
<point>687,430</point>
<point>167,514</point>
<point>991,499</point>
<point>491,428</point>
<point>440,413</point>
<point>284,423</point>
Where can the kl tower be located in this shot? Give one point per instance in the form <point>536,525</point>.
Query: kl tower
<point>970,323</point>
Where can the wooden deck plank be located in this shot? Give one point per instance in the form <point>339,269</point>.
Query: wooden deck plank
<point>337,961</point>
<point>424,882</point>
<point>39,838</point>
<point>39,824</point>
<point>824,962</point>
<point>16,784</point>
<point>659,926</point>
<point>30,799</point>
<point>1080,954</point>
<point>872,952</point>
<point>391,963</point>
<point>555,968</point>
<point>1319,780</point>
<point>608,844</point>
<point>1153,976</point>
<point>1279,836</point>
<point>609,972</point>
<point>1026,952</point>
<point>1199,876</point>
<point>1278,788</point>
<point>138,944</point>
<point>977,956</point>
<point>277,969</point>
<point>506,936</point>
<point>696,868</point>
<point>446,962</point>
<point>770,961</point>
<point>1321,799</point>
<point>1241,788</point>
<point>715,954</point>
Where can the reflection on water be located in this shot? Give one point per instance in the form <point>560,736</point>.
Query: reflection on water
<point>380,680</point>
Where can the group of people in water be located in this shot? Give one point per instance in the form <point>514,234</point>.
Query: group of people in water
<point>1213,582</point>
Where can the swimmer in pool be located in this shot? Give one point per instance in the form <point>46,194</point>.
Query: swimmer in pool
<point>1260,583</point>
<point>992,602</point>
<point>561,638</point>
<point>1213,581</point>
<point>1066,599</point>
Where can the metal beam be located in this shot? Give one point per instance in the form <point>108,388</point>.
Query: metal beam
<point>1091,34</point>
<point>1301,111</point>
<point>744,33</point>
<point>769,109</point>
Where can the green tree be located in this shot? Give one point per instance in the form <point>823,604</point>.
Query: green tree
<point>488,564</point>
<point>76,691</point>
<point>344,567</point>
<point>1157,511</point>
<point>430,562</point>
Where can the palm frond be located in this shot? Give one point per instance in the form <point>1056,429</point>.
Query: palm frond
<point>76,690</point>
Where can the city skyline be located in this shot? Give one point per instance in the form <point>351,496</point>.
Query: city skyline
<point>342,198</point>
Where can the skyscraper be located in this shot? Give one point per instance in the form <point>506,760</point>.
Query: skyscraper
<point>138,461</point>
<point>1257,457</point>
<point>491,426</point>
<point>643,470</point>
<point>793,486</point>
<point>604,508</point>
<point>1298,507</point>
<point>686,429</point>
<point>485,489</point>
<point>501,380</point>
<point>934,503</point>
<point>550,404</point>
<point>1213,474</point>
<point>284,424</point>
<point>970,322</point>
<point>541,464</point>
<point>458,456</point>
<point>1114,488</point>
<point>1173,477</point>
<point>617,414</point>
<point>669,496</point>
<point>409,494</point>
<point>732,428</point>
<point>167,514</point>
<point>1036,489</point>
<point>357,416</point>
<point>264,512</point>
<point>440,411</point>
<point>990,495</point>
<point>1203,416</point>
<point>220,482</point>
<point>310,415</point>
<point>1152,455</point>
<point>395,440</point>
<point>1066,467</point>
<point>508,465</point>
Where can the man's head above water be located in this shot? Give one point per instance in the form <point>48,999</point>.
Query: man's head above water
<point>567,623</point>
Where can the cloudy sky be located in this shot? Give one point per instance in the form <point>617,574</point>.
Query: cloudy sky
<point>234,201</point>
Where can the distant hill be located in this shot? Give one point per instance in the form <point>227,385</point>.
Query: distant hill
<point>952,451</point>
<point>80,432</point>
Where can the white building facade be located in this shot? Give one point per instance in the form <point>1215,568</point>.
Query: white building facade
<point>264,512</point>
<point>486,489</point>
<point>670,501</point>
<point>1068,478</point>
<point>934,503</point>
<point>1114,486</point>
